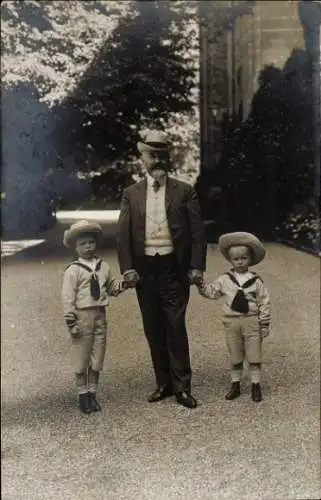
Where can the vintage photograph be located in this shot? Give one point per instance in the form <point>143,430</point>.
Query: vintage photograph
<point>160,250</point>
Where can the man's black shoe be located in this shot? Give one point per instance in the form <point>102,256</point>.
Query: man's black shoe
<point>160,393</point>
<point>234,392</point>
<point>93,403</point>
<point>256,393</point>
<point>185,399</point>
<point>84,404</point>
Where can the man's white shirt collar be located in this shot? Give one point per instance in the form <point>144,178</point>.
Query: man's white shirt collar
<point>151,180</point>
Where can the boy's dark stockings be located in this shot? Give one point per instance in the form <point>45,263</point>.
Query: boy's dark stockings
<point>256,393</point>
<point>84,404</point>
<point>93,403</point>
<point>255,369</point>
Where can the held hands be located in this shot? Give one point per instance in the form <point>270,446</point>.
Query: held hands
<point>130,279</point>
<point>195,277</point>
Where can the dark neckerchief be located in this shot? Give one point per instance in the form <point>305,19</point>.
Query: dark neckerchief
<point>94,282</point>
<point>240,303</point>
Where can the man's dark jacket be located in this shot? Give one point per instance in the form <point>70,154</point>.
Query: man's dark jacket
<point>184,220</point>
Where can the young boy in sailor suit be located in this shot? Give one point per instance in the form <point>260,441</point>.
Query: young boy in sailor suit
<point>246,307</point>
<point>87,283</point>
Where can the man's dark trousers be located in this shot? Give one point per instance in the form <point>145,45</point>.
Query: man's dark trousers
<point>163,297</point>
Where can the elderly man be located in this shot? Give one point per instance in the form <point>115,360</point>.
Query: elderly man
<point>162,251</point>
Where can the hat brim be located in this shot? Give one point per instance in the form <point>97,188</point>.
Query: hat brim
<point>226,241</point>
<point>143,146</point>
<point>71,234</point>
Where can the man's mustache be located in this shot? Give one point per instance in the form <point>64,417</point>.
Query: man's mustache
<point>159,167</point>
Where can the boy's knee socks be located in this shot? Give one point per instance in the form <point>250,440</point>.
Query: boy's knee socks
<point>81,382</point>
<point>93,378</point>
<point>255,371</point>
<point>236,372</point>
<point>87,381</point>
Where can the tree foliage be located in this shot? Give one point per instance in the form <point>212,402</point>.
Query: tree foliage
<point>52,43</point>
<point>81,80</point>
<point>143,77</point>
<point>269,157</point>
<point>108,69</point>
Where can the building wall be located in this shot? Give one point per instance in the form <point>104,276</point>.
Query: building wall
<point>233,56</point>
<point>266,37</point>
<point>214,80</point>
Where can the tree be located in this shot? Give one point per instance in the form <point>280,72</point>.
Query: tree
<point>94,77</point>
<point>56,42</point>
<point>45,48</point>
<point>79,81</point>
<point>269,157</point>
<point>143,77</point>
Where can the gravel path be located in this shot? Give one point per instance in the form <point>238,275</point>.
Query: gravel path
<point>137,451</point>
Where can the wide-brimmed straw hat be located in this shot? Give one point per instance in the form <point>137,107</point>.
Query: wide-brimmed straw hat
<point>78,229</point>
<point>228,240</point>
<point>155,140</point>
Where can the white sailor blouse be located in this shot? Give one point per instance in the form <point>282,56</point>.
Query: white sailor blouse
<point>251,298</point>
<point>84,286</point>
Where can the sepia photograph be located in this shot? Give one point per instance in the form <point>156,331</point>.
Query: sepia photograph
<point>160,250</point>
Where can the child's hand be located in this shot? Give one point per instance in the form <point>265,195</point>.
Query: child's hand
<point>195,277</point>
<point>209,290</point>
<point>114,287</point>
<point>122,287</point>
<point>74,331</point>
<point>200,286</point>
<point>264,332</point>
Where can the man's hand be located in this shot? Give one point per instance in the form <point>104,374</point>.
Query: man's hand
<point>195,277</point>
<point>74,331</point>
<point>130,278</point>
<point>264,331</point>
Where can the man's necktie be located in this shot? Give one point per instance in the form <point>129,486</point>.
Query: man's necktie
<point>156,185</point>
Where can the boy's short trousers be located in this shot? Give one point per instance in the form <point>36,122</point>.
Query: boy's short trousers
<point>89,347</point>
<point>243,339</point>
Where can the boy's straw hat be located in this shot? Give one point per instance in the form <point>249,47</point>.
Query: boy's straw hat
<point>79,228</point>
<point>155,140</point>
<point>228,240</point>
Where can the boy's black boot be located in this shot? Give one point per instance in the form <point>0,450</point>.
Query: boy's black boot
<point>93,403</point>
<point>256,393</point>
<point>234,391</point>
<point>84,403</point>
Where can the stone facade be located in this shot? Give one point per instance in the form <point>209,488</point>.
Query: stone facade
<point>264,37</point>
<point>251,36</point>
